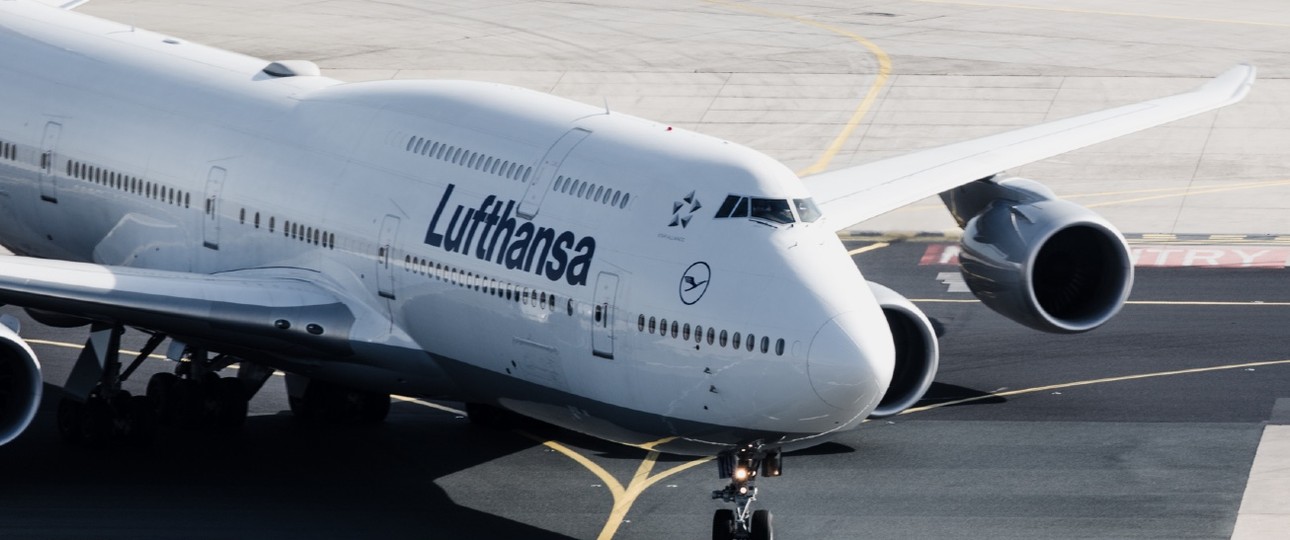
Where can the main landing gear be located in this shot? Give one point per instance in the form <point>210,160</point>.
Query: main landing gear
<point>96,409</point>
<point>741,467</point>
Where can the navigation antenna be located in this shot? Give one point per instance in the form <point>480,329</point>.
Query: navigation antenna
<point>606,104</point>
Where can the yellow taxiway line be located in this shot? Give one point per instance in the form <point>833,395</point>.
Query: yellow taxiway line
<point>1052,387</point>
<point>884,73</point>
<point>625,496</point>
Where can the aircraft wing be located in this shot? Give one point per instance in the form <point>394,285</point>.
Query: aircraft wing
<point>854,194</point>
<point>279,310</point>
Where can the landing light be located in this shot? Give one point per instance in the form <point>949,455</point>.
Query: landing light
<point>741,474</point>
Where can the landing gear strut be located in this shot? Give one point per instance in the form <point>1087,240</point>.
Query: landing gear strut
<point>741,467</point>
<point>95,408</point>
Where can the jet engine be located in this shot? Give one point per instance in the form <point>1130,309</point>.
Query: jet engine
<point>1044,262</point>
<point>917,352</point>
<point>20,384</point>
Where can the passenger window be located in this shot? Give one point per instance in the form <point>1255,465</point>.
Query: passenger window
<point>662,327</point>
<point>712,335</point>
<point>625,199</point>
<point>779,347</point>
<point>751,342</point>
<point>685,332</point>
<point>651,325</point>
<point>675,327</point>
<point>765,344</point>
<point>735,342</point>
<point>271,220</point>
<point>698,334</point>
<point>723,339</point>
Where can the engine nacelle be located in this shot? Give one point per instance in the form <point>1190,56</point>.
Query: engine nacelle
<point>20,385</point>
<point>917,352</point>
<point>1044,262</point>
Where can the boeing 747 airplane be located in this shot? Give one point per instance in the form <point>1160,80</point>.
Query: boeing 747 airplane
<point>489,244</point>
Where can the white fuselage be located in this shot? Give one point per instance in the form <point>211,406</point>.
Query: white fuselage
<point>524,248</point>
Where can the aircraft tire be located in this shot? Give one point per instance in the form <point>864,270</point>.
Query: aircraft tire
<point>723,524</point>
<point>761,526</point>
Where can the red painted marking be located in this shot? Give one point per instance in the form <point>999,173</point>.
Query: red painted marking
<point>1160,256</point>
<point>941,255</point>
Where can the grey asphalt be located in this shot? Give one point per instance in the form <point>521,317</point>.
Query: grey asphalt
<point>1163,457</point>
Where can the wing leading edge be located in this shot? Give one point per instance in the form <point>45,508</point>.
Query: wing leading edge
<point>854,194</point>
<point>279,310</point>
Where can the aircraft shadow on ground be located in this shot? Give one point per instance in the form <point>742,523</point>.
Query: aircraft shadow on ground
<point>276,478</point>
<point>947,393</point>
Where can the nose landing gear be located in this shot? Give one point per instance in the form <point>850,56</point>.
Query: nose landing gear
<point>741,467</point>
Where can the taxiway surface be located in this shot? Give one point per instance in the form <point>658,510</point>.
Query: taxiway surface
<point>1045,450</point>
<point>1161,456</point>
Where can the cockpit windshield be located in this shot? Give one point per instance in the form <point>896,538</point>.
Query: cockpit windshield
<point>772,210</point>
<point>780,211</point>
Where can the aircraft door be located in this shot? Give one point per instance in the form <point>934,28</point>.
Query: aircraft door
<point>48,148</point>
<point>385,270</point>
<point>211,226</point>
<point>541,182</point>
<point>603,314</point>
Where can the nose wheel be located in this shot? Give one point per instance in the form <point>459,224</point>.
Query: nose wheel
<point>742,467</point>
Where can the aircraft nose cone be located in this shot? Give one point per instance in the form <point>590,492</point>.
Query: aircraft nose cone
<point>851,359</point>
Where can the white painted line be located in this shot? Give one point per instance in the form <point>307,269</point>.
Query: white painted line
<point>1265,507</point>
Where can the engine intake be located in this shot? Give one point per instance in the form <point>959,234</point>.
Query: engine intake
<point>917,352</point>
<point>1044,262</point>
<point>20,385</point>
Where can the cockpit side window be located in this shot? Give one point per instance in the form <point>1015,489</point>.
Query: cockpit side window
<point>806,210</point>
<point>772,210</point>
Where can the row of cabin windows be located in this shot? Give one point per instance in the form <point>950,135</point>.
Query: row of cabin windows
<point>591,192</point>
<point>722,338</point>
<point>466,158</point>
<point>8,151</point>
<point>480,283</point>
<point>129,184</point>
<point>294,231</point>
